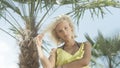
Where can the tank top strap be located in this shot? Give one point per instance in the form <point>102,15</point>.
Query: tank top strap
<point>79,44</point>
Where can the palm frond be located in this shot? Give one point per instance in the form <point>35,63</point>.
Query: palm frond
<point>53,11</point>
<point>9,34</point>
<point>45,47</point>
<point>32,9</point>
<point>38,7</point>
<point>89,39</point>
<point>11,5</point>
<point>108,46</point>
<point>15,20</point>
<point>40,22</point>
<point>15,27</point>
<point>95,8</point>
<point>2,8</point>
<point>108,10</point>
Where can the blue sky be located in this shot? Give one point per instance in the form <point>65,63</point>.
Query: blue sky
<point>109,26</point>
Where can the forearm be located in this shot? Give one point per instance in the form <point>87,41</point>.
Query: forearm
<point>40,53</point>
<point>52,57</point>
<point>83,61</point>
<point>44,60</point>
<point>78,63</point>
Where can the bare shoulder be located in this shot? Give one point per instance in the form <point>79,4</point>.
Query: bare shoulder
<point>87,44</point>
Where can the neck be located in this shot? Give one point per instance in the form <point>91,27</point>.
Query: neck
<point>69,43</point>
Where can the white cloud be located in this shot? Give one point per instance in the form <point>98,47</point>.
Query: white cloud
<point>8,56</point>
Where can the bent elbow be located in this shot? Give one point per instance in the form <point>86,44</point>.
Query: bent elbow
<point>86,63</point>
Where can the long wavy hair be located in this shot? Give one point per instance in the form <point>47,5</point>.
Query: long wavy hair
<point>52,27</point>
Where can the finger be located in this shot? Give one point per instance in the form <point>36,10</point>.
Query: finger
<point>38,39</point>
<point>51,52</point>
<point>37,42</point>
<point>54,49</point>
<point>40,36</point>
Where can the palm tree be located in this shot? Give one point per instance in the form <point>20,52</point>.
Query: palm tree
<point>29,11</point>
<point>107,47</point>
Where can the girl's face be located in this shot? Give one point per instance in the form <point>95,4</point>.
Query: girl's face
<point>64,31</point>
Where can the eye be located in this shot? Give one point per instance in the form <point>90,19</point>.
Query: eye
<point>59,31</point>
<point>66,28</point>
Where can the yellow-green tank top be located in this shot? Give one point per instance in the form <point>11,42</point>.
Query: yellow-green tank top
<point>64,57</point>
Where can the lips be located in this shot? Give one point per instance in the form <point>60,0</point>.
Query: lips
<point>65,36</point>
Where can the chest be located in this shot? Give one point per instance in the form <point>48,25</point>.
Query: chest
<point>71,50</point>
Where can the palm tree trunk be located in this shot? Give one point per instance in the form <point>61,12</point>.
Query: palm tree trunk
<point>110,64</point>
<point>28,56</point>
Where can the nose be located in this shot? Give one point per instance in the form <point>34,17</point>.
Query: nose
<point>64,32</point>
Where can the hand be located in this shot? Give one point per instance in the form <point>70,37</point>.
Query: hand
<point>39,40</point>
<point>53,52</point>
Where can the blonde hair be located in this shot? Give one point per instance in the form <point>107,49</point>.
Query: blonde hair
<point>53,25</point>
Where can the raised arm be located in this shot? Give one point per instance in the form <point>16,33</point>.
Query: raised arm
<point>44,60</point>
<point>52,57</point>
<point>82,62</point>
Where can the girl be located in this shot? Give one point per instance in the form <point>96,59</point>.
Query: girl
<point>72,54</point>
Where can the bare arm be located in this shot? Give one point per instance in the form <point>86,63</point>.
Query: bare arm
<point>44,60</point>
<point>52,57</point>
<point>82,62</point>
